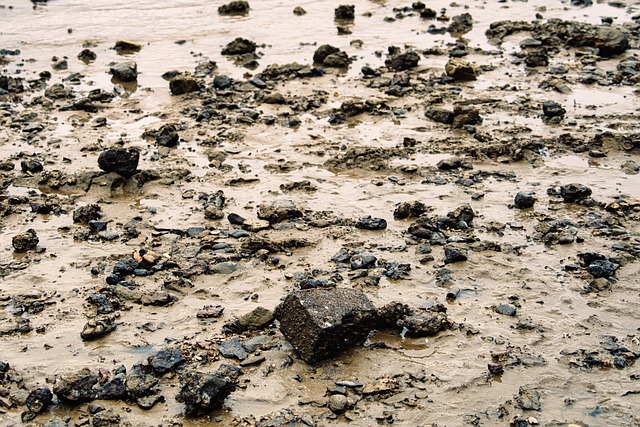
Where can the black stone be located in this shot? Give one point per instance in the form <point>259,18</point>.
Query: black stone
<point>602,268</point>
<point>123,161</point>
<point>553,109</point>
<point>166,360</point>
<point>524,200</point>
<point>239,46</point>
<point>167,136</point>
<point>25,241</point>
<point>39,399</point>
<point>368,223</point>
<point>180,85</point>
<point>345,12</point>
<point>574,192</point>
<point>202,393</point>
<point>125,71</point>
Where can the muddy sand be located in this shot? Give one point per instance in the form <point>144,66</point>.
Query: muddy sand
<point>453,185</point>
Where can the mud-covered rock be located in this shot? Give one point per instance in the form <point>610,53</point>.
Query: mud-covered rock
<point>460,70</point>
<point>572,193</point>
<point>440,115</point>
<point>425,324</point>
<point>202,393</point>
<point>180,85</point>
<point>362,260</point>
<point>454,253</point>
<point>98,327</point>
<point>87,55</point>
<point>389,314</point>
<point>26,241</point>
<point>106,418</point>
<point>403,61</point>
<point>239,46</point>
<point>77,387</point>
<point>279,211</point>
<point>126,47</point>
<point>123,161</point>
<point>140,382</point>
<point>412,209</point>
<point>39,400</point>
<point>464,115</point>
<point>125,71</point>
<point>369,223</point>
<point>611,41</point>
<point>239,7</point>
<point>166,360</point>
<point>528,399</point>
<point>86,213</point>
<point>602,268</point>
<point>167,136</point>
<point>321,322</point>
<point>461,24</point>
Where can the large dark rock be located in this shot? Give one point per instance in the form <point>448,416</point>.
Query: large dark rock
<point>602,268</point>
<point>39,399</point>
<point>123,161</point>
<point>553,109</point>
<point>202,393</point>
<point>322,322</point>
<point>574,192</point>
<point>77,387</point>
<point>345,12</point>
<point>611,41</point>
<point>167,136</point>
<point>524,200</point>
<point>239,46</point>
<point>234,8</point>
<point>180,85</point>
<point>323,51</point>
<point>127,47</point>
<point>460,70</point>
<point>25,241</point>
<point>412,209</point>
<point>440,115</point>
<point>403,61</point>
<point>125,71</point>
<point>166,360</point>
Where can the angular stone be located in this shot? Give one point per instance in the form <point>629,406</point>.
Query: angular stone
<point>140,382</point>
<point>98,327</point>
<point>425,324</point>
<point>574,192</point>
<point>39,399</point>
<point>125,71</point>
<point>454,253</point>
<point>460,70</point>
<point>369,223</point>
<point>202,393</point>
<point>279,211</point>
<point>180,85</point>
<point>166,360</point>
<point>239,46</point>
<point>167,136</point>
<point>322,322</point>
<point>123,161</point>
<point>25,241</point>
<point>524,200</point>
<point>77,387</point>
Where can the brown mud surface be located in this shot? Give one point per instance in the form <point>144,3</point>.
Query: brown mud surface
<point>543,302</point>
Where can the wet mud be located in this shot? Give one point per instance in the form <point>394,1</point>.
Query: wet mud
<point>172,171</point>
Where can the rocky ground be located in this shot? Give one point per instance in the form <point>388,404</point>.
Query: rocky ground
<point>428,217</point>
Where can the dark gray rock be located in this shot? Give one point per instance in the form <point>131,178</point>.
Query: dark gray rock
<point>210,311</point>
<point>323,51</point>
<point>362,260</point>
<point>233,348</point>
<point>454,253</point>
<point>440,115</point>
<point>506,309</point>
<point>403,61</point>
<point>528,399</point>
<point>26,241</point>
<point>126,47</point>
<point>452,163</point>
<point>337,60</point>
<point>87,56</point>
<point>240,7</point>
<point>464,115</point>
<point>39,399</point>
<point>125,71</point>
<point>167,136</point>
<point>345,12</point>
<point>166,360</point>
<point>553,109</point>
<point>461,24</point>
<point>611,41</point>
<point>239,46</point>
<point>222,82</point>
<point>256,319</point>
<point>202,393</point>
<point>322,322</point>
<point>369,223</point>
<point>524,200</point>
<point>180,85</point>
<point>123,161</point>
<point>106,418</point>
<point>31,166</point>
<point>140,382</point>
<point>602,268</point>
<point>391,313</point>
<point>98,327</point>
<point>412,209</point>
<point>574,192</point>
<point>77,387</point>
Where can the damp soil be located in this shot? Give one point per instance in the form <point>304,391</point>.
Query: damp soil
<point>341,144</point>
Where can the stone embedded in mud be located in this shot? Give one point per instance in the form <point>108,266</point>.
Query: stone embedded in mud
<point>362,260</point>
<point>369,223</point>
<point>572,193</point>
<point>440,115</point>
<point>106,418</point>
<point>611,41</point>
<point>454,163</point>
<point>125,71</point>
<point>553,109</point>
<point>322,322</point>
<point>256,319</point>
<point>524,200</point>
<point>323,51</point>
<point>528,399</point>
<point>25,241</point>
<point>337,403</point>
<point>299,11</point>
<point>240,7</point>
<point>166,360</point>
<point>123,46</point>
<point>210,311</point>
<point>391,313</point>
<point>87,213</point>
<point>274,98</point>
<point>140,382</point>
<point>462,217</point>
<point>39,399</point>
<point>461,24</point>
<point>202,393</point>
<point>537,57</point>
<point>454,253</point>
<point>603,268</point>
<point>403,61</point>
<point>460,70</point>
<point>77,387</point>
<point>232,348</point>
<point>425,324</point>
<point>98,327</point>
<point>464,115</point>
<point>506,309</point>
<point>279,211</point>
<point>123,161</point>
<point>412,209</point>
<point>336,60</point>
<point>167,136</point>
<point>31,166</point>
<point>345,12</point>
<point>213,212</point>
<point>180,85</point>
<point>87,56</point>
<point>239,46</point>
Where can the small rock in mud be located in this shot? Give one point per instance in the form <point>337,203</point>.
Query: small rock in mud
<point>362,260</point>
<point>202,393</point>
<point>123,161</point>
<point>98,327</point>
<point>140,382</point>
<point>167,136</point>
<point>425,324</point>
<point>403,61</point>
<point>106,418</point>
<point>125,71</point>
<point>256,319</point>
<point>39,399</point>
<point>180,85</point>
<point>274,98</point>
<point>87,55</point>
<point>454,253</point>
<point>412,209</point>
<point>77,387</point>
<point>454,163</point>
<point>279,211</point>
<point>611,41</point>
<point>391,313</point>
<point>86,213</point>
<point>240,7</point>
<point>125,47</point>
<point>31,166</point>
<point>528,399</point>
<point>460,70</point>
<point>232,348</point>
<point>239,46</point>
<point>213,212</point>
<point>210,312</point>
<point>440,115</point>
<point>572,193</point>
<point>299,11</point>
<point>552,109</point>
<point>461,24</point>
<point>337,403</point>
<point>323,51</point>
<point>25,241</point>
<point>506,309</point>
<point>321,322</point>
<point>369,223</point>
<point>345,12</point>
<point>602,268</point>
<point>524,200</point>
<point>166,360</point>
<point>465,115</point>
